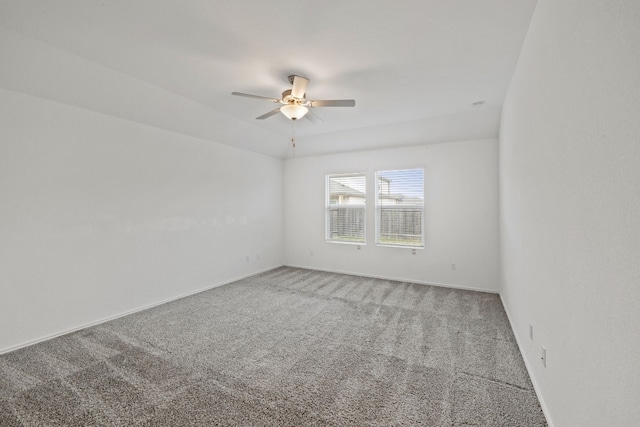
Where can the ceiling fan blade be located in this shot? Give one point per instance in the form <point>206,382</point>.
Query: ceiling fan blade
<point>269,114</point>
<point>312,117</point>
<point>299,87</point>
<point>333,103</point>
<point>247,95</point>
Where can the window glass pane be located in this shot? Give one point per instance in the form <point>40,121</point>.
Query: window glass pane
<point>400,207</point>
<point>345,216</point>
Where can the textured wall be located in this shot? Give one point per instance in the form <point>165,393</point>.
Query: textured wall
<point>461,215</point>
<point>570,203</point>
<point>100,216</point>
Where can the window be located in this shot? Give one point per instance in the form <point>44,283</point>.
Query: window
<point>345,216</point>
<point>400,207</point>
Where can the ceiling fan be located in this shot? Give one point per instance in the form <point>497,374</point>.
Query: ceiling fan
<point>294,102</point>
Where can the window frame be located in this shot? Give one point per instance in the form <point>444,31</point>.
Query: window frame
<point>328,207</point>
<point>378,208</point>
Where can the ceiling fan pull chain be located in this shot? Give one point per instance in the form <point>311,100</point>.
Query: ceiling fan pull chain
<point>293,136</point>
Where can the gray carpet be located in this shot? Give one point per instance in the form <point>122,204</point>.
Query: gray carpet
<point>289,347</point>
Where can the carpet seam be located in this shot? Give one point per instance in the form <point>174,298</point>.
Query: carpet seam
<point>495,381</point>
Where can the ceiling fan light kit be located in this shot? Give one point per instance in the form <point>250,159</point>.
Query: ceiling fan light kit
<point>294,111</point>
<point>295,104</point>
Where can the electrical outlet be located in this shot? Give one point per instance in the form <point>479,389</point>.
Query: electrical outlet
<point>248,258</point>
<point>453,266</point>
<point>530,331</point>
<point>543,356</point>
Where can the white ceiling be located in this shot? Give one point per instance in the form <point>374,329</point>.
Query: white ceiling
<point>414,67</point>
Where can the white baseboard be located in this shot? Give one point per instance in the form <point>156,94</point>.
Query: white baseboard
<point>536,388</point>
<point>397,279</point>
<point>135,310</point>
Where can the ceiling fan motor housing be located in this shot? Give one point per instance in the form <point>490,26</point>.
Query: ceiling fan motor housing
<point>287,98</point>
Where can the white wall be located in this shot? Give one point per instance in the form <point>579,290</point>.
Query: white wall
<point>461,211</point>
<point>100,216</point>
<point>570,209</point>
